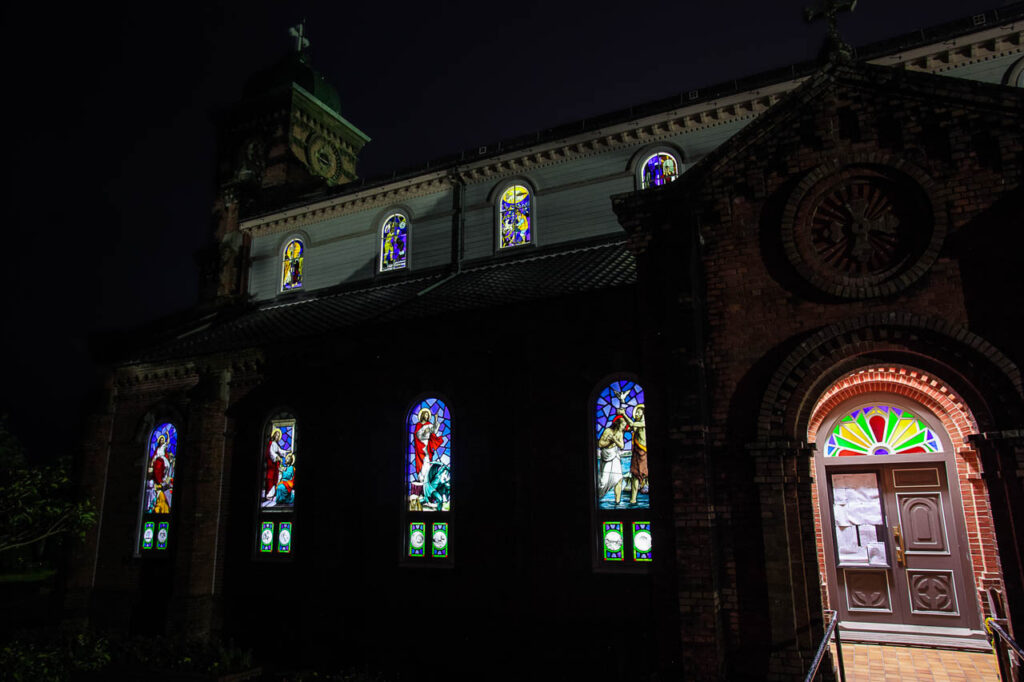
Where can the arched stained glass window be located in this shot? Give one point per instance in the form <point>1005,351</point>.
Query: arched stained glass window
<point>880,430</point>
<point>277,486</point>
<point>621,474</point>
<point>393,242</point>
<point>158,488</point>
<point>291,266</point>
<point>515,217</point>
<point>658,169</point>
<point>428,474</point>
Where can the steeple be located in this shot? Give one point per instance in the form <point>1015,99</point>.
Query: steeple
<point>284,139</point>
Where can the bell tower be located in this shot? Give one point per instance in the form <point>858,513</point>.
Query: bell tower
<point>284,139</point>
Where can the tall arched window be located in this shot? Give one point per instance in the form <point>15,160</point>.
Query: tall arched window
<point>428,480</point>
<point>621,476</point>
<point>275,501</point>
<point>158,489</point>
<point>658,169</point>
<point>515,217</point>
<point>291,265</point>
<point>394,237</point>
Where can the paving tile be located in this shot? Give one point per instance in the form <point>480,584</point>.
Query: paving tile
<point>874,663</point>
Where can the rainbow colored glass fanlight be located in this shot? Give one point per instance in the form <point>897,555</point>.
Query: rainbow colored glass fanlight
<point>880,430</point>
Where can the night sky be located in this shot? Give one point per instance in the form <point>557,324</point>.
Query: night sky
<point>110,144</point>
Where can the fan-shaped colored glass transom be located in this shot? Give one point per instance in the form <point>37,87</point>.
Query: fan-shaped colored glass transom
<point>880,430</point>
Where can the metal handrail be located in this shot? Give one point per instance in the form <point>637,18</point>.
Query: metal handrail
<point>833,628</point>
<point>997,633</point>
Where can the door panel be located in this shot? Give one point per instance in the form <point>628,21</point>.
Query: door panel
<point>904,566</point>
<point>920,515</point>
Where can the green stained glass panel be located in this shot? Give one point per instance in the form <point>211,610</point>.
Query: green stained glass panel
<point>881,430</point>
<point>439,539</point>
<point>613,541</point>
<point>417,539</point>
<point>642,541</point>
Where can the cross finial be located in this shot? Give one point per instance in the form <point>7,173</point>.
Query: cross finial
<point>829,10</point>
<point>299,33</point>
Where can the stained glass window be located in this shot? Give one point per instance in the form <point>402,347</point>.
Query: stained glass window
<point>291,267</point>
<point>158,489</point>
<point>515,217</point>
<point>428,464</point>
<point>393,242</point>
<point>428,487</point>
<point>621,431</point>
<point>880,430</point>
<point>621,476</point>
<point>658,169</point>
<point>277,490</point>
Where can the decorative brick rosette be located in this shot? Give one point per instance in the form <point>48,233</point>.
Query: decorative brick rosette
<point>861,230</point>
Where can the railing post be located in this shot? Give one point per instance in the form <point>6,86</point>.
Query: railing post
<point>839,651</point>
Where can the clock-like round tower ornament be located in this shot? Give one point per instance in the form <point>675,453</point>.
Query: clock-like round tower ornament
<point>861,231</point>
<point>323,157</point>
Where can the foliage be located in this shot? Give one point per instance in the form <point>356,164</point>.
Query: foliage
<point>183,654</point>
<point>36,502</point>
<point>38,657</point>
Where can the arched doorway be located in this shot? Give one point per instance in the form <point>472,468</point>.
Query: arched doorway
<point>893,471</point>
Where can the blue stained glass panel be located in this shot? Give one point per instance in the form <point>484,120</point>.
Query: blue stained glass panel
<point>148,534</point>
<point>267,537</point>
<point>291,267</point>
<point>613,541</point>
<point>642,541</point>
<point>620,430</point>
<point>163,448</point>
<point>417,539</point>
<point>284,537</point>
<point>163,531</point>
<point>439,540</point>
<point>659,169</point>
<point>277,484</point>
<point>515,216</point>
<point>428,461</point>
<point>393,242</point>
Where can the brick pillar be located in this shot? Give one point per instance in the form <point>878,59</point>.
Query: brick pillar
<point>1002,463</point>
<point>200,555</point>
<point>91,474</point>
<point>783,478</point>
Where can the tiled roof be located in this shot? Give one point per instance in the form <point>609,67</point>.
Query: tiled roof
<point>516,279</point>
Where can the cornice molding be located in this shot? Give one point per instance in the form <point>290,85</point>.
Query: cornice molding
<point>959,52</point>
<point>936,58</point>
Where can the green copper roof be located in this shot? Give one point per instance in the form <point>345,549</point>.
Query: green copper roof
<point>294,68</point>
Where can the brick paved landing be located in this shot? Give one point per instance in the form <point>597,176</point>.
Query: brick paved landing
<point>877,663</point>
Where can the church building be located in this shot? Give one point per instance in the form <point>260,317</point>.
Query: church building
<point>761,343</point>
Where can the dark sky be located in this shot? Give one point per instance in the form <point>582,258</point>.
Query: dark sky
<point>107,192</point>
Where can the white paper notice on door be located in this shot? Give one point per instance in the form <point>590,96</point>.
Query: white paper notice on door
<point>867,535</point>
<point>876,554</point>
<point>849,548</point>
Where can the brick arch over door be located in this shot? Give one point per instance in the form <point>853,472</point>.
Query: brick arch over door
<point>936,396</point>
<point>972,366</point>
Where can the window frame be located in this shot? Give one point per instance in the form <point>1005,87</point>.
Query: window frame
<point>407,516</point>
<point>495,200</point>
<point>642,156</point>
<point>303,238</point>
<point>380,219</point>
<point>278,413</point>
<point>627,516</point>
<point>159,419</point>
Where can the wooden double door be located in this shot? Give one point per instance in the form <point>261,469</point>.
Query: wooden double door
<point>895,543</point>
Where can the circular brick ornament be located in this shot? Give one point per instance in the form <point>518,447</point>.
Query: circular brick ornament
<point>860,230</point>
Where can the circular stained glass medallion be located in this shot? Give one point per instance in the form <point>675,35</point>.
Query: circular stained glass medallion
<point>642,541</point>
<point>418,539</point>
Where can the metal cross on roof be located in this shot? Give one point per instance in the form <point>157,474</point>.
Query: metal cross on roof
<point>299,33</point>
<point>829,10</point>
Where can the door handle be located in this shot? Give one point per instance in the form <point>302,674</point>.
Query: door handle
<point>897,536</point>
